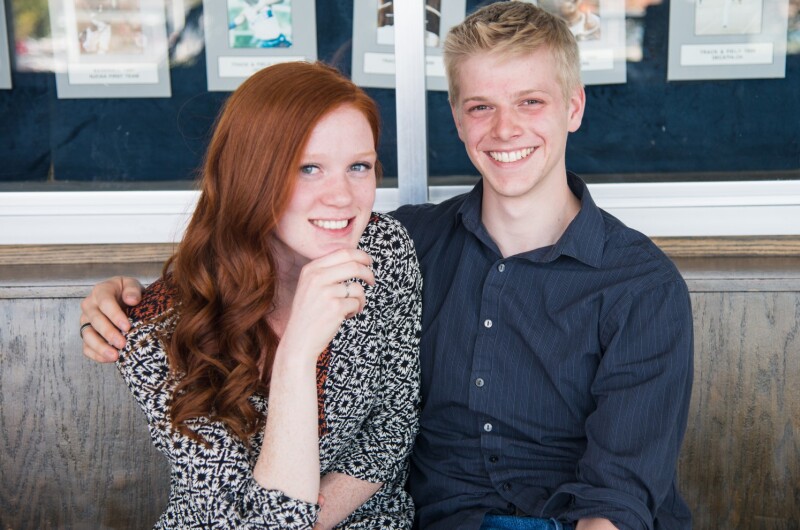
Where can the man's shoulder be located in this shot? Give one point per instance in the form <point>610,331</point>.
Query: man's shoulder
<point>427,220</point>
<point>627,247</point>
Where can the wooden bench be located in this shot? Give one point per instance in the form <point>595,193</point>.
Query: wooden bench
<point>75,452</point>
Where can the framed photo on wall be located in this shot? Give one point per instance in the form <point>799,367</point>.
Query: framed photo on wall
<point>727,39</point>
<point>374,38</point>
<point>110,48</point>
<point>244,36</point>
<point>599,28</point>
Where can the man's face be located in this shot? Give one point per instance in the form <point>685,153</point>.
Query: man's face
<point>513,119</point>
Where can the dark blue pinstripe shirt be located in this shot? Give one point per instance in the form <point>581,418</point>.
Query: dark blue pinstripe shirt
<point>556,382</point>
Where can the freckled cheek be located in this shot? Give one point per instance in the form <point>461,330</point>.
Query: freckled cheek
<point>366,195</point>
<point>365,199</point>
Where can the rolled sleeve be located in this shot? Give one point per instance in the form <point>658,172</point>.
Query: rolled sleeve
<point>220,490</point>
<point>642,389</point>
<point>261,508</point>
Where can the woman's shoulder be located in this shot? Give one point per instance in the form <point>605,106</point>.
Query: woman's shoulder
<point>383,230</point>
<point>157,300</point>
<point>394,259</point>
<point>143,361</point>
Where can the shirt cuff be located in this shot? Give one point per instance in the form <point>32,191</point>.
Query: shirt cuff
<point>265,508</point>
<point>575,501</point>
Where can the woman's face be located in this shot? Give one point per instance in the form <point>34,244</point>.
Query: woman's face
<point>335,189</point>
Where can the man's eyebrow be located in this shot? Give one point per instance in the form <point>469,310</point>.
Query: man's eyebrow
<point>473,99</point>
<point>515,95</point>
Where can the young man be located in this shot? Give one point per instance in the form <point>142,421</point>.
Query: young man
<point>556,352</point>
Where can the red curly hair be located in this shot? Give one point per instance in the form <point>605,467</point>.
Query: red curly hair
<point>223,273</point>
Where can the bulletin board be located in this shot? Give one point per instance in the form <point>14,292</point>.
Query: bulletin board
<point>647,129</point>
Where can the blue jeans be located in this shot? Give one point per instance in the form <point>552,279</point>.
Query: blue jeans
<point>513,522</point>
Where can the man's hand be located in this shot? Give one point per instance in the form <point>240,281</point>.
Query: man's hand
<point>103,310</point>
<point>346,494</point>
<point>595,524</point>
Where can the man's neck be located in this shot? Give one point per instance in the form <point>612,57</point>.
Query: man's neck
<point>522,224</point>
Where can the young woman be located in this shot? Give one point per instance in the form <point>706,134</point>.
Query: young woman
<point>276,360</point>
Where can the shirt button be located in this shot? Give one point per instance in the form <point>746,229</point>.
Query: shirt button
<point>501,267</point>
<point>487,427</point>
<point>493,459</point>
<point>479,382</point>
<point>507,486</point>
<point>487,323</point>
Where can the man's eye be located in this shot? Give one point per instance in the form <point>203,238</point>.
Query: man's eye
<point>478,107</point>
<point>532,102</point>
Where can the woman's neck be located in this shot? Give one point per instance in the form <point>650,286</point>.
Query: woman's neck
<point>288,274</point>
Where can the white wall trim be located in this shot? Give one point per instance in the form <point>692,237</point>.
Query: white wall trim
<point>753,208</point>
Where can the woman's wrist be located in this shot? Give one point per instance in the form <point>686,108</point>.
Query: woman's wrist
<point>292,358</point>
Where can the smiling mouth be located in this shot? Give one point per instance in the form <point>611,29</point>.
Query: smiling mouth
<point>331,224</point>
<point>511,156</point>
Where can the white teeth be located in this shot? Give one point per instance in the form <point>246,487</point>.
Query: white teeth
<point>330,225</point>
<point>510,156</point>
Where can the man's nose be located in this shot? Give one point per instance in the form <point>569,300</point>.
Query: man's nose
<point>506,124</point>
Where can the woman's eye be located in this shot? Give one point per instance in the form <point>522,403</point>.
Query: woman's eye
<point>361,166</point>
<point>309,169</point>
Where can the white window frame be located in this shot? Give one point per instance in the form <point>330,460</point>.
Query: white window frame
<point>692,209</point>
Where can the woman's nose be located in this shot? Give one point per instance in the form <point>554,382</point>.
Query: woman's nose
<point>337,191</point>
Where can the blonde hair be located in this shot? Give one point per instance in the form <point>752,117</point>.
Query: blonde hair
<point>512,29</point>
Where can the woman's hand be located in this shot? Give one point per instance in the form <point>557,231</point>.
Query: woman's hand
<point>324,297</point>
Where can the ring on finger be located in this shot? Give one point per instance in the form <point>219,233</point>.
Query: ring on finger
<point>347,289</point>
<point>83,327</point>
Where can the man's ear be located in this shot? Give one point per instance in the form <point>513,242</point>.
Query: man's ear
<point>575,108</point>
<point>457,120</point>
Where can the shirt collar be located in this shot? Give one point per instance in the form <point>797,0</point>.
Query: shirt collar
<point>470,210</point>
<point>469,213</point>
<point>584,238</point>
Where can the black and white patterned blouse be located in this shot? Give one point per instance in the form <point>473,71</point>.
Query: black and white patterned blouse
<point>368,391</point>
